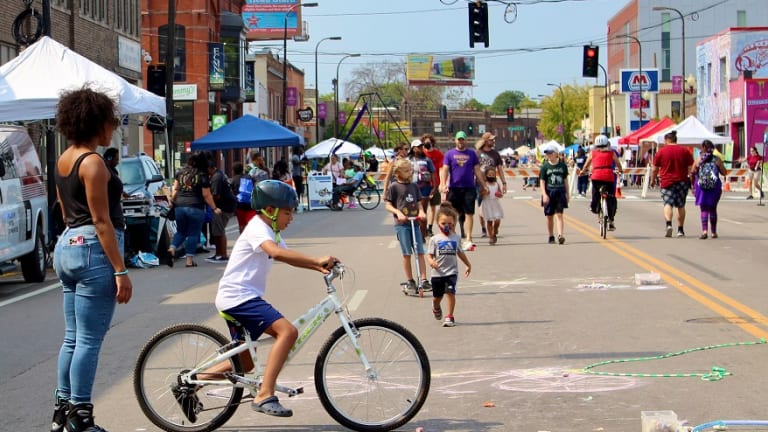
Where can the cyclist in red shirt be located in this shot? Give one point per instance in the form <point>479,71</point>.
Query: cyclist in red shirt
<point>604,162</point>
<point>673,165</point>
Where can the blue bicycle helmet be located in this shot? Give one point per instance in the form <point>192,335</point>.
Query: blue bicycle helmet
<point>273,193</point>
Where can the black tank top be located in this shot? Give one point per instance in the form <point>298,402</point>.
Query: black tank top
<point>72,193</point>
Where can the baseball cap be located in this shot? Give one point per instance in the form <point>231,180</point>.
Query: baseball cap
<point>489,136</point>
<point>461,135</point>
<point>416,143</point>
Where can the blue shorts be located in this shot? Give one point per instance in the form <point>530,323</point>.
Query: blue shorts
<point>256,315</point>
<point>403,232</point>
<point>444,284</point>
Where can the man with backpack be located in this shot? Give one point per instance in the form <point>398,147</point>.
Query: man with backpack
<point>221,189</point>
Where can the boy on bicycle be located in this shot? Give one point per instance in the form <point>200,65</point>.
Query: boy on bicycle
<point>402,200</point>
<point>243,285</point>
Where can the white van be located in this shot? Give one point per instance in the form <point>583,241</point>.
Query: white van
<point>23,206</point>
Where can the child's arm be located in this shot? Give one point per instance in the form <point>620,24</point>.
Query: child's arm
<point>298,259</point>
<point>431,261</point>
<point>398,214</point>
<point>463,257</point>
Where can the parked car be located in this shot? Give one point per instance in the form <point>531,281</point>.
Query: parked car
<point>140,176</point>
<point>23,206</point>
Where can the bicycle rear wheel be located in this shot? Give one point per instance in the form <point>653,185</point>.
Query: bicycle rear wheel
<point>368,198</point>
<point>387,396</point>
<point>157,379</point>
<point>604,217</point>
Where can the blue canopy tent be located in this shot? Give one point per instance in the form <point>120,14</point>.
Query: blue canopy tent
<point>248,132</point>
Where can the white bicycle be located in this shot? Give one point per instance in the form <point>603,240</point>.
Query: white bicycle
<point>371,374</point>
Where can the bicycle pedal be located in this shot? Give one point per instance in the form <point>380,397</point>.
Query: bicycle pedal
<point>296,392</point>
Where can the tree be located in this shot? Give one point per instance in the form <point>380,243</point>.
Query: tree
<point>509,98</point>
<point>387,79</point>
<point>474,104</point>
<point>575,103</point>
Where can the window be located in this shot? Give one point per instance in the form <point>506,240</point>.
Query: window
<point>723,75</point>
<point>127,17</point>
<point>95,10</point>
<point>179,58</point>
<point>626,46</point>
<point>708,79</point>
<point>741,18</point>
<point>7,53</point>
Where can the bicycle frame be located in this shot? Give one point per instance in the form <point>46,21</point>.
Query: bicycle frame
<point>307,324</point>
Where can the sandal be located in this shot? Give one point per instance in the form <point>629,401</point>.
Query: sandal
<point>704,236</point>
<point>194,264</point>
<point>714,235</point>
<point>271,406</point>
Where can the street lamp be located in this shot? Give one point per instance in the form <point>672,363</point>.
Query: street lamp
<point>285,53</point>
<point>640,72</point>
<point>562,109</point>
<point>682,23</point>
<point>317,87</point>
<point>336,96</point>
<point>605,121</point>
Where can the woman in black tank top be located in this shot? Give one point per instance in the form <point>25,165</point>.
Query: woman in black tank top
<point>88,257</point>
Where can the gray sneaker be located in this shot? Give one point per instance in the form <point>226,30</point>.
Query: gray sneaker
<point>449,322</point>
<point>668,232</point>
<point>426,286</point>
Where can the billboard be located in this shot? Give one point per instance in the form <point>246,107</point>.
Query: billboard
<point>440,70</point>
<point>633,81</point>
<point>266,19</point>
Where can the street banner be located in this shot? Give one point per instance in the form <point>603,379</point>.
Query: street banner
<point>322,110</point>
<point>437,70</point>
<point>215,66</point>
<point>250,82</point>
<point>291,96</point>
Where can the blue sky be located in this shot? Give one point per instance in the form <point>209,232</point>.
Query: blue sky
<point>390,30</point>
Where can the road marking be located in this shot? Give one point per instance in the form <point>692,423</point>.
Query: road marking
<point>731,221</point>
<point>393,244</point>
<point>30,294</point>
<point>356,300</point>
<point>676,278</point>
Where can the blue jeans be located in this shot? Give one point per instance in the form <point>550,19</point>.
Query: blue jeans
<point>89,302</point>
<point>189,224</point>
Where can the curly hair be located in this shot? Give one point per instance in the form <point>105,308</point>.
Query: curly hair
<point>83,114</point>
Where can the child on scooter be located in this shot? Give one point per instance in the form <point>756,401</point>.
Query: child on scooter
<point>402,200</point>
<point>444,248</point>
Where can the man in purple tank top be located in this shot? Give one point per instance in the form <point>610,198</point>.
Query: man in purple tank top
<point>461,168</point>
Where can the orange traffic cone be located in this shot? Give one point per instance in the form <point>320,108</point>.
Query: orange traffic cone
<point>618,188</point>
<point>727,186</point>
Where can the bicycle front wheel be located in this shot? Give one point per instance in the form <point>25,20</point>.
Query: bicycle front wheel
<point>159,389</point>
<point>368,198</point>
<point>383,398</point>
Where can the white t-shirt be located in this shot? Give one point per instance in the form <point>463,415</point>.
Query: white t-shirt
<point>245,277</point>
<point>337,171</point>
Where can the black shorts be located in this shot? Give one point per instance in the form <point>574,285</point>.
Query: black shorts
<point>444,284</point>
<point>463,199</point>
<point>675,194</point>
<point>557,202</point>
<point>298,183</point>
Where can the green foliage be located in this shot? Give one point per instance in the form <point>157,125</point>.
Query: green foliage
<point>575,103</point>
<point>509,98</point>
<point>474,104</point>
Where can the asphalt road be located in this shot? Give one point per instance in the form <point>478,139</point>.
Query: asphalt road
<point>530,318</point>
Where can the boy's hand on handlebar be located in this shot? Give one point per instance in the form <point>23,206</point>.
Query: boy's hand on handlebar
<point>401,217</point>
<point>325,264</point>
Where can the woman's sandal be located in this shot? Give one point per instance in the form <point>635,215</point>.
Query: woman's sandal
<point>194,264</point>
<point>271,406</point>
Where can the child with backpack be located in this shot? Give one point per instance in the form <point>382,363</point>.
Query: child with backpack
<point>707,187</point>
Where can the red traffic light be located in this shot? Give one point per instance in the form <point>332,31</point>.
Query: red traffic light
<point>590,52</point>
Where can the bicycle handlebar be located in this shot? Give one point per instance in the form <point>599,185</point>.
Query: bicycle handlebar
<point>336,271</point>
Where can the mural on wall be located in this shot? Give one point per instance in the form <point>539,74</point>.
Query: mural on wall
<point>750,53</point>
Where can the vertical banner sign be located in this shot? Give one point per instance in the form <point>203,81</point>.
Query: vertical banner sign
<point>216,66</point>
<point>677,84</point>
<point>291,96</point>
<point>756,112</point>
<point>218,120</point>
<point>250,82</point>
<point>322,110</point>
<point>342,117</point>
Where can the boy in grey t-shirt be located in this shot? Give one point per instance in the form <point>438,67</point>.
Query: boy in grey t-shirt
<point>443,253</point>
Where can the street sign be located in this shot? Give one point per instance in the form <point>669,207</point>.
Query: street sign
<point>633,81</point>
<point>305,114</point>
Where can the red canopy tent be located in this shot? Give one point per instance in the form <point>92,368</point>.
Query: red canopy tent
<point>626,138</point>
<point>645,131</point>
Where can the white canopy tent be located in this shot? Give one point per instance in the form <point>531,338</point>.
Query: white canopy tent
<point>323,149</point>
<point>551,145</point>
<point>377,152</point>
<point>690,131</point>
<point>30,84</point>
<point>509,151</point>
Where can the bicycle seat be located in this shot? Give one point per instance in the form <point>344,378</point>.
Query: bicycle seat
<point>230,318</point>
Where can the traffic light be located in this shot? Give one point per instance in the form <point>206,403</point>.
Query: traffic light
<point>478,23</point>
<point>589,66</point>
<point>510,114</point>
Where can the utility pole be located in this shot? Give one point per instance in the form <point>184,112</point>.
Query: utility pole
<point>170,50</point>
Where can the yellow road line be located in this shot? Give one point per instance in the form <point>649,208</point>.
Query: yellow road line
<point>675,277</point>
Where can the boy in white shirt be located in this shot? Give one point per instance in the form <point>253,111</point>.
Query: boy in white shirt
<point>243,285</point>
